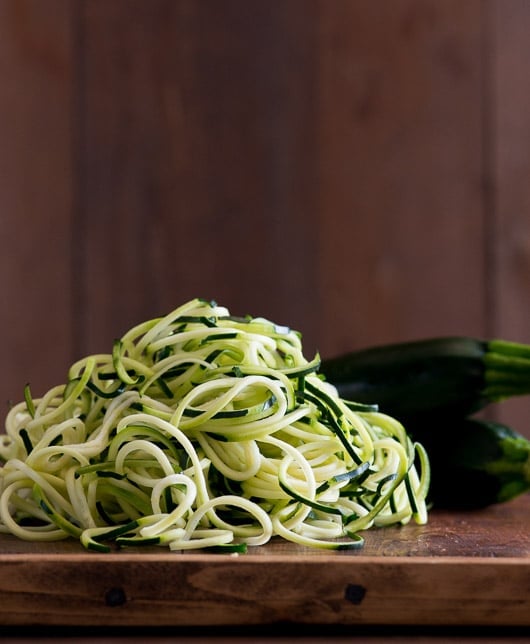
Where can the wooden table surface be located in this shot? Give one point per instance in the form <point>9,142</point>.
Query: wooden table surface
<point>461,570</point>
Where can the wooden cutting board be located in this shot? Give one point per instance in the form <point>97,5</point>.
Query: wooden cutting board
<point>460,569</point>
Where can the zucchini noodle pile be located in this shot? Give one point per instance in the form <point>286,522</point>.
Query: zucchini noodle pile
<point>204,430</point>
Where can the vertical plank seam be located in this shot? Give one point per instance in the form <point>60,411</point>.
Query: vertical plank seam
<point>489,151</point>
<point>79,215</point>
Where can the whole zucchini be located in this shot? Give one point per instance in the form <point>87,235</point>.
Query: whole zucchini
<point>453,376</point>
<point>474,463</point>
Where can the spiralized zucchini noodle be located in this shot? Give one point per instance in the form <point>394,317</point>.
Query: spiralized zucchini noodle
<point>204,430</point>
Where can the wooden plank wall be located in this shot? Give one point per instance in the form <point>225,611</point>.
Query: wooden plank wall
<point>37,184</point>
<point>357,170</point>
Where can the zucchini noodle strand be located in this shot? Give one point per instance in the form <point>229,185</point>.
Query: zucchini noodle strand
<point>203,430</point>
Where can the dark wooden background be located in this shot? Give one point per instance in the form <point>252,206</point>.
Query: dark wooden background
<point>357,170</point>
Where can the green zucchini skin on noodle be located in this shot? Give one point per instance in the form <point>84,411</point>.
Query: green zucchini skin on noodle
<point>474,462</point>
<point>453,376</point>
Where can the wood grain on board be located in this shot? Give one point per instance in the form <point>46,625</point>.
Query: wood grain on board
<point>459,569</point>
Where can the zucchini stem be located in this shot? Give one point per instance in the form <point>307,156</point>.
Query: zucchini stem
<point>507,370</point>
<point>507,348</point>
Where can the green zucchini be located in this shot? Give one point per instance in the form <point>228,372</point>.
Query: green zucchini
<point>453,376</point>
<point>474,462</point>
